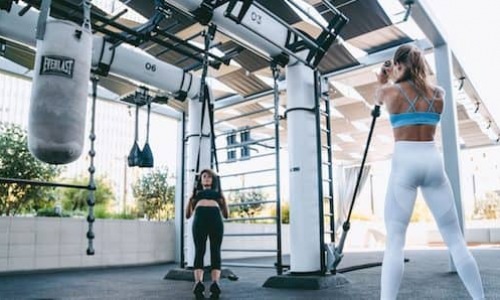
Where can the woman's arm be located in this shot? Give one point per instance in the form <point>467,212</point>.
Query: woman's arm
<point>224,208</point>
<point>189,208</point>
<point>383,81</point>
<point>380,95</point>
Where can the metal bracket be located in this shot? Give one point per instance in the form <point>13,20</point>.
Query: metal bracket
<point>3,47</point>
<point>296,40</point>
<point>142,96</point>
<point>462,81</point>
<point>144,31</point>
<point>408,4</point>
<point>134,36</point>
<point>243,11</point>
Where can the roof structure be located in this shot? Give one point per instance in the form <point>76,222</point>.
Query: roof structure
<point>376,28</point>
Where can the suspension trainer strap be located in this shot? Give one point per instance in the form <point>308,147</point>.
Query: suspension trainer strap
<point>203,108</point>
<point>203,93</point>
<point>136,135</point>
<point>148,120</point>
<point>212,133</point>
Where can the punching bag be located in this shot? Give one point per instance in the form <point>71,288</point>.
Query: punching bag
<point>58,106</point>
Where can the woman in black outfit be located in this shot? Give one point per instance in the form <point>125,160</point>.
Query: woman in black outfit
<point>207,203</point>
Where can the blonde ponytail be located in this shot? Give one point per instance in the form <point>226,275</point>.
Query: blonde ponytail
<point>416,68</point>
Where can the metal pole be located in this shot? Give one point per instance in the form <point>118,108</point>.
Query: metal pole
<point>279,263</point>
<point>474,189</point>
<point>183,166</point>
<point>372,202</point>
<point>125,165</point>
<point>42,183</point>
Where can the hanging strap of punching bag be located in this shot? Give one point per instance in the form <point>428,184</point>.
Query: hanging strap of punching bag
<point>42,19</point>
<point>87,6</point>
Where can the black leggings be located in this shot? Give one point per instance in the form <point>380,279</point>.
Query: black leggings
<point>207,223</point>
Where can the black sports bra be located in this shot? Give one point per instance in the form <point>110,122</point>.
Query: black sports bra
<point>207,195</point>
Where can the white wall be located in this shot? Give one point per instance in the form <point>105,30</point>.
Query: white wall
<point>254,242</point>
<point>57,243</point>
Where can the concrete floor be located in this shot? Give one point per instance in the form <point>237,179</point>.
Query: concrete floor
<point>426,277</point>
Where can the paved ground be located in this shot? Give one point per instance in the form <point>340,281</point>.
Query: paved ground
<point>426,277</point>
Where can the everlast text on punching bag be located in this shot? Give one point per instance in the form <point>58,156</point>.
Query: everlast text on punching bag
<point>58,107</point>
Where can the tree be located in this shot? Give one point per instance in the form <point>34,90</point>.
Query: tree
<point>285,212</point>
<point>154,195</point>
<point>246,207</point>
<point>488,207</point>
<point>76,199</point>
<point>17,162</point>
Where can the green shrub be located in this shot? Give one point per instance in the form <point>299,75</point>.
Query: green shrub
<point>51,212</point>
<point>488,207</point>
<point>124,216</point>
<point>76,199</point>
<point>154,193</point>
<point>101,212</point>
<point>17,162</point>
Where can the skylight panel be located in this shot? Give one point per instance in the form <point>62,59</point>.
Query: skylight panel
<point>114,6</point>
<point>311,11</point>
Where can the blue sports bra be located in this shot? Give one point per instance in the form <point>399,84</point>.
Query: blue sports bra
<point>414,117</point>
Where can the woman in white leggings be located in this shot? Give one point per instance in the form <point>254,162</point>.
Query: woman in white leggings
<point>415,107</point>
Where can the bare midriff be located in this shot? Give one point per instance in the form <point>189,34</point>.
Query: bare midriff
<point>206,202</point>
<point>416,133</point>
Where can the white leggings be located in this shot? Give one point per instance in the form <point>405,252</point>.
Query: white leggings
<point>419,164</point>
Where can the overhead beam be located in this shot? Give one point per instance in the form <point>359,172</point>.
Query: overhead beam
<point>124,60</point>
<point>379,57</point>
<point>103,94</point>
<point>428,23</point>
<point>365,62</point>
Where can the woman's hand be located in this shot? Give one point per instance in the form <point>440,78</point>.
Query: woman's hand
<point>385,72</point>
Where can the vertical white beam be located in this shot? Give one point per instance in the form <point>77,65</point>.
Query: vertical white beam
<point>449,128</point>
<point>193,148</point>
<point>303,180</point>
